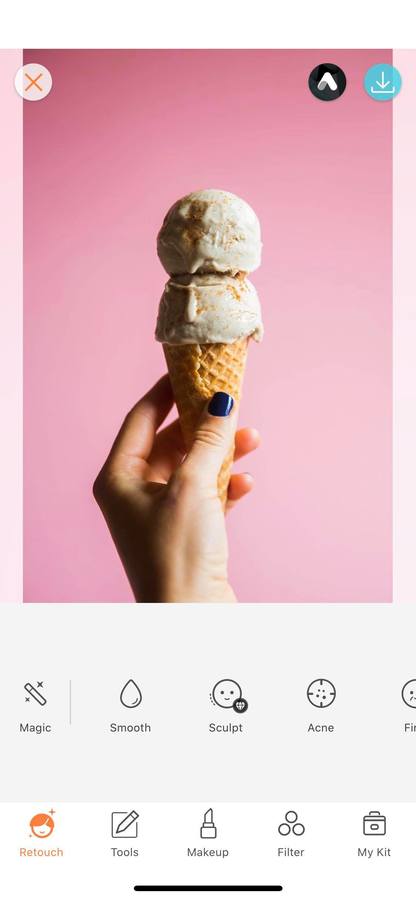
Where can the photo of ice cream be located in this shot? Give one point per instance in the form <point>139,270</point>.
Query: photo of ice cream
<point>203,198</point>
<point>209,241</point>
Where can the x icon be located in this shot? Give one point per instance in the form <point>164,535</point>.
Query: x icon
<point>33,82</point>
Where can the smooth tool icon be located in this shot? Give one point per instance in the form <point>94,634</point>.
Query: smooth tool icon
<point>33,693</point>
<point>228,695</point>
<point>208,828</point>
<point>124,824</point>
<point>42,824</point>
<point>131,695</point>
<point>321,693</point>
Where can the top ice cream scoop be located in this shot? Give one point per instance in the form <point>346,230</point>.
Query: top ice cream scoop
<point>210,231</point>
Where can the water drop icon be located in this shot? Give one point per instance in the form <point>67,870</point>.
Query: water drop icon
<point>131,695</point>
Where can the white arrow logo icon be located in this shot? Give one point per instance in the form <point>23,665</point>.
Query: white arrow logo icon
<point>329,80</point>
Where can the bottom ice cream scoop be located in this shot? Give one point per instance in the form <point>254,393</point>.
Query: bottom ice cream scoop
<point>208,309</point>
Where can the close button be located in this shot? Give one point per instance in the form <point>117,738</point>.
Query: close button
<point>33,82</point>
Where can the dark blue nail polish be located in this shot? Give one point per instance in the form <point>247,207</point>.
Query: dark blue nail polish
<point>220,404</point>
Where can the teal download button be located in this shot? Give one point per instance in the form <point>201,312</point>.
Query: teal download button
<point>382,82</point>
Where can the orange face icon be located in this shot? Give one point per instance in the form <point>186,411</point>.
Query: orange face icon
<point>42,825</point>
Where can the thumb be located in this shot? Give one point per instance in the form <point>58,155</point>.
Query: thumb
<point>213,438</point>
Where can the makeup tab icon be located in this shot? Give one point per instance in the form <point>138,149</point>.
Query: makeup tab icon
<point>208,828</point>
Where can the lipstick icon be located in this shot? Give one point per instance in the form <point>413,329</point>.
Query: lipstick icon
<point>208,828</point>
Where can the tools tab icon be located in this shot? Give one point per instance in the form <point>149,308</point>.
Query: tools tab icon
<point>124,824</point>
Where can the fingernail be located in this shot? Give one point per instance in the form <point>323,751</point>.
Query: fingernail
<point>220,404</point>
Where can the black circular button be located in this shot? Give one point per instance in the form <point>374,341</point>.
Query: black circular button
<point>327,81</point>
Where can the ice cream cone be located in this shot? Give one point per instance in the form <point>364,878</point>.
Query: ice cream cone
<point>197,371</point>
<point>209,242</point>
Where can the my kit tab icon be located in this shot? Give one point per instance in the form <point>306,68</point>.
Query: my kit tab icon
<point>374,824</point>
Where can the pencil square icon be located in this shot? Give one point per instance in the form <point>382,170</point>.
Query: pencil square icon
<point>125,824</point>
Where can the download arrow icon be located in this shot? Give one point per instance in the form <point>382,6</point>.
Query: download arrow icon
<point>383,84</point>
<point>382,81</point>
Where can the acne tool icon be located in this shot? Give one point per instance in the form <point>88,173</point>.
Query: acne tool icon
<point>131,695</point>
<point>34,694</point>
<point>208,828</point>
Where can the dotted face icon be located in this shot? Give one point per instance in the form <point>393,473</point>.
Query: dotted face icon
<point>409,693</point>
<point>321,693</point>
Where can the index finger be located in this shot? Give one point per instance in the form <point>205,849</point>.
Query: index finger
<point>137,433</point>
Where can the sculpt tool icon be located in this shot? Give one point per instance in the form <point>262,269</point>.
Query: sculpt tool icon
<point>227,694</point>
<point>208,828</point>
<point>131,695</point>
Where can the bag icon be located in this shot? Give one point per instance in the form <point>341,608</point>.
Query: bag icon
<point>374,823</point>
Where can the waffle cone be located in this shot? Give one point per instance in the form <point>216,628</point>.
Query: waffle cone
<point>197,371</point>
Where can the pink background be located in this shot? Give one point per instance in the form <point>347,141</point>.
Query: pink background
<point>120,137</point>
<point>11,300</point>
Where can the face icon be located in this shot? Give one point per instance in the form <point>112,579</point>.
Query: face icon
<point>42,825</point>
<point>226,692</point>
<point>409,693</point>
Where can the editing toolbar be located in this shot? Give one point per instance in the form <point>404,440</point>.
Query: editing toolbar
<point>226,695</point>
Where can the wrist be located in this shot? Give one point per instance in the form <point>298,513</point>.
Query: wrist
<point>211,592</point>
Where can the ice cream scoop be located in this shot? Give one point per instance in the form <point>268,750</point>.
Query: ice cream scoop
<point>210,231</point>
<point>208,309</point>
